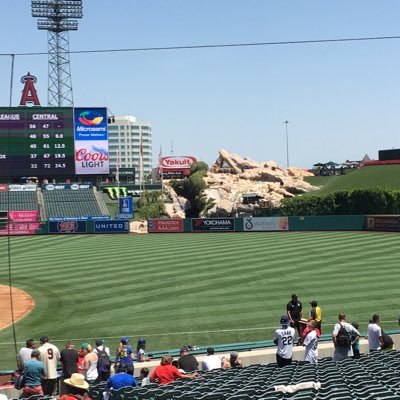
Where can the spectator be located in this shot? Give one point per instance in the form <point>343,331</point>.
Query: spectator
<point>167,373</point>
<point>306,331</point>
<point>211,361</point>
<point>125,355</point>
<point>49,355</point>
<point>316,315</point>
<point>311,343</point>
<point>103,362</point>
<point>140,351</point>
<point>24,353</point>
<point>144,376</point>
<point>343,348</point>
<point>69,360</point>
<point>34,372</point>
<point>234,361</point>
<point>187,362</point>
<point>89,365</point>
<point>121,379</point>
<point>295,313</point>
<point>81,355</point>
<point>374,334</point>
<point>284,338</point>
<point>77,388</point>
<point>355,341</point>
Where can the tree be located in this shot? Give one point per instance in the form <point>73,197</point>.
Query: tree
<point>199,166</point>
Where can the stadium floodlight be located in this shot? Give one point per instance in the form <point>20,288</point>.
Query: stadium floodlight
<point>55,17</point>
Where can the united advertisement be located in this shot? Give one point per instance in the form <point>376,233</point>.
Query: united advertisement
<point>265,224</point>
<point>165,225</point>
<point>91,141</point>
<point>112,226</point>
<point>213,224</point>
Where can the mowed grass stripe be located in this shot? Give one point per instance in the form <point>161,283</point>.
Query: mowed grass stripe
<point>163,284</point>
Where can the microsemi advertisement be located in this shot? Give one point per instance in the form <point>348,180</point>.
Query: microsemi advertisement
<point>164,225</point>
<point>266,224</point>
<point>91,141</point>
<point>213,224</point>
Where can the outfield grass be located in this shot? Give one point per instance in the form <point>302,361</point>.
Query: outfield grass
<point>384,176</point>
<point>200,289</point>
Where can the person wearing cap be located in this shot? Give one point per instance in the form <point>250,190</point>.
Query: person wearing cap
<point>50,356</point>
<point>81,355</point>
<point>77,388</point>
<point>210,361</point>
<point>89,365</point>
<point>141,355</point>
<point>125,355</point>
<point>316,314</point>
<point>34,372</point>
<point>311,343</point>
<point>166,372</point>
<point>294,311</point>
<point>284,338</point>
<point>187,362</point>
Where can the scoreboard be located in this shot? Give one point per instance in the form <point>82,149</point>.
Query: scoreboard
<point>36,141</point>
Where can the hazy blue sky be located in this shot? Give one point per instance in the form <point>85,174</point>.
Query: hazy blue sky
<point>341,99</point>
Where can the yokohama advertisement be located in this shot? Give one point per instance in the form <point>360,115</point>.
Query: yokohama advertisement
<point>165,225</point>
<point>266,224</point>
<point>19,228</point>
<point>213,224</point>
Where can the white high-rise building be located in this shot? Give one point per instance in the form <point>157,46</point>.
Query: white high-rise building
<point>124,135</point>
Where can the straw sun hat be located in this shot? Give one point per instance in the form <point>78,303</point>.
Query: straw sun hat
<point>78,381</point>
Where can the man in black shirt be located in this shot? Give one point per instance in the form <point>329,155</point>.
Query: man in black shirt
<point>69,363</point>
<point>187,361</point>
<point>295,313</point>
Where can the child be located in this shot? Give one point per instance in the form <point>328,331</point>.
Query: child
<point>144,375</point>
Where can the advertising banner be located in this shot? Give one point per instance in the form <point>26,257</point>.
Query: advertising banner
<point>19,228</point>
<point>22,188</point>
<point>213,224</point>
<point>111,226</point>
<point>164,225</point>
<point>383,222</point>
<point>62,186</point>
<point>265,224</point>
<point>80,218</point>
<point>91,141</point>
<point>23,216</point>
<point>126,205</point>
<point>68,227</point>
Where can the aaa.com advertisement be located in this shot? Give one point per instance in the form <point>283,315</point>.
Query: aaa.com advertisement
<point>165,225</point>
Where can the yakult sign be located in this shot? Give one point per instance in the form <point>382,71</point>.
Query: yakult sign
<point>176,165</point>
<point>91,141</point>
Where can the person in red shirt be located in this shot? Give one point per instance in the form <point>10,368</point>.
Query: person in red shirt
<point>77,388</point>
<point>167,373</point>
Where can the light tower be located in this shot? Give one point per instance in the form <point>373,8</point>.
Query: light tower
<point>56,19</point>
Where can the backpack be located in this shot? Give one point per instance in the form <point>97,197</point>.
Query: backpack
<point>103,362</point>
<point>19,380</point>
<point>343,338</point>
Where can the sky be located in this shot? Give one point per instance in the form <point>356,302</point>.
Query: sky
<point>341,99</point>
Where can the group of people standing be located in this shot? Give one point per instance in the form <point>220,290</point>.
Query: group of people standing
<point>345,336</point>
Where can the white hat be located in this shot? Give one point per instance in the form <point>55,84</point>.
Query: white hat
<point>78,381</point>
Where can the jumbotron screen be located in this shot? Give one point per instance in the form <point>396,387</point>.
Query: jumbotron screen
<point>36,141</point>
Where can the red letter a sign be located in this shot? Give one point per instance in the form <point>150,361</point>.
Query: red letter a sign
<point>29,94</point>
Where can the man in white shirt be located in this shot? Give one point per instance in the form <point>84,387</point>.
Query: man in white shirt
<point>211,361</point>
<point>100,349</point>
<point>375,341</point>
<point>24,353</point>
<point>342,352</point>
<point>50,356</point>
<point>311,343</point>
<point>284,338</point>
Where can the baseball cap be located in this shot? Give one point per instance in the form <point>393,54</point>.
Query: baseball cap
<point>84,345</point>
<point>125,339</point>
<point>234,354</point>
<point>141,340</point>
<point>44,339</point>
<point>184,349</point>
<point>284,320</point>
<point>313,303</point>
<point>35,353</point>
<point>210,350</point>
